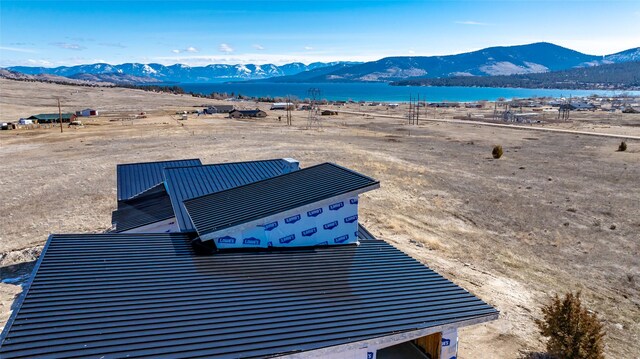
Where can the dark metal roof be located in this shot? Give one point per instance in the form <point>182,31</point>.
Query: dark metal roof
<point>363,233</point>
<point>151,206</point>
<point>189,182</point>
<point>274,195</point>
<point>135,178</point>
<point>148,295</point>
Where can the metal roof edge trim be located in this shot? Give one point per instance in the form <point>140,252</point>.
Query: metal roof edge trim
<point>408,335</point>
<point>124,231</point>
<point>354,172</point>
<point>376,182</point>
<point>143,192</point>
<point>17,304</point>
<point>142,163</point>
<point>225,163</point>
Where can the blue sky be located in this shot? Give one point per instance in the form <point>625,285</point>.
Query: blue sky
<point>55,33</point>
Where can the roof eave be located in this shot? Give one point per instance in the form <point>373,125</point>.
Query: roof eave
<point>18,302</point>
<point>383,341</point>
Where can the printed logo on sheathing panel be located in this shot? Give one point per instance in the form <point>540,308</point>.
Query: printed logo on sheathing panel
<point>333,223</point>
<point>449,344</point>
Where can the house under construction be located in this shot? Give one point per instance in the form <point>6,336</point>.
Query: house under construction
<point>256,259</point>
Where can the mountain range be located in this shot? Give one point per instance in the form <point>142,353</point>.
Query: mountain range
<point>510,60</point>
<point>494,61</point>
<point>147,73</point>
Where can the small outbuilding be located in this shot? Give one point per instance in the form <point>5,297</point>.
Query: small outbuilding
<point>247,113</point>
<point>87,112</point>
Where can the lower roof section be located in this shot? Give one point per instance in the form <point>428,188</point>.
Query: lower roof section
<point>151,206</point>
<point>149,295</point>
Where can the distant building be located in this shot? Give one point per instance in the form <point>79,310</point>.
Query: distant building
<point>87,112</point>
<point>282,106</point>
<point>247,113</point>
<point>218,109</point>
<point>53,117</point>
<point>473,105</point>
<point>444,104</point>
<point>582,106</point>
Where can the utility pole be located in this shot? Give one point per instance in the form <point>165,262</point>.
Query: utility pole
<point>418,110</point>
<point>288,109</point>
<point>59,115</point>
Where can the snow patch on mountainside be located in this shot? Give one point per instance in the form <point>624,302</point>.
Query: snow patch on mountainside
<point>509,68</point>
<point>393,72</point>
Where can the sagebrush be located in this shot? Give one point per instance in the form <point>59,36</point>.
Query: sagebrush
<point>622,147</point>
<point>497,151</point>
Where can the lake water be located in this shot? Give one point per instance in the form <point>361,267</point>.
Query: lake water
<point>386,93</point>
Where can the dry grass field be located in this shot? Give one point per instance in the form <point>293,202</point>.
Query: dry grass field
<point>557,212</point>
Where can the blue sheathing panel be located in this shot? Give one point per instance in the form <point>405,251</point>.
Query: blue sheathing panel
<point>135,178</point>
<point>184,183</point>
<point>149,295</point>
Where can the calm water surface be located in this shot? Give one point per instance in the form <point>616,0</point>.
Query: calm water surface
<point>384,92</point>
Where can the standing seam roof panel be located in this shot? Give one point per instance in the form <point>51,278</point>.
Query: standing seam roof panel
<point>189,182</point>
<point>260,199</point>
<point>243,305</point>
<point>135,178</point>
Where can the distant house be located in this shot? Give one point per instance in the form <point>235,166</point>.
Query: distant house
<point>87,112</point>
<point>247,113</point>
<point>218,109</point>
<point>53,117</point>
<point>582,106</point>
<point>282,106</point>
<point>444,104</point>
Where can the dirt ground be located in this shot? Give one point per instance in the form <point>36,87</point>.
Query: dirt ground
<point>557,212</point>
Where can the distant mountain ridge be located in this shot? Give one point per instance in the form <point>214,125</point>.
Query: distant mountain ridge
<point>538,57</point>
<point>503,60</point>
<point>616,76</point>
<point>175,73</point>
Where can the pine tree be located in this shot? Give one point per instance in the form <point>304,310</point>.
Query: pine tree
<point>573,331</point>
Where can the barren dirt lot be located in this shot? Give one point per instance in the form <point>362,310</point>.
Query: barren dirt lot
<point>557,212</point>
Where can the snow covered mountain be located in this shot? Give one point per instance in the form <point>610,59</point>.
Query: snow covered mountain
<point>179,72</point>
<point>493,61</point>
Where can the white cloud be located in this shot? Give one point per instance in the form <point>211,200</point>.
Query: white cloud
<point>190,49</point>
<point>225,48</point>
<point>258,47</point>
<point>308,48</point>
<point>68,46</point>
<point>259,58</point>
<point>475,23</point>
<point>112,44</point>
<point>39,62</point>
<point>16,49</point>
<point>411,52</point>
